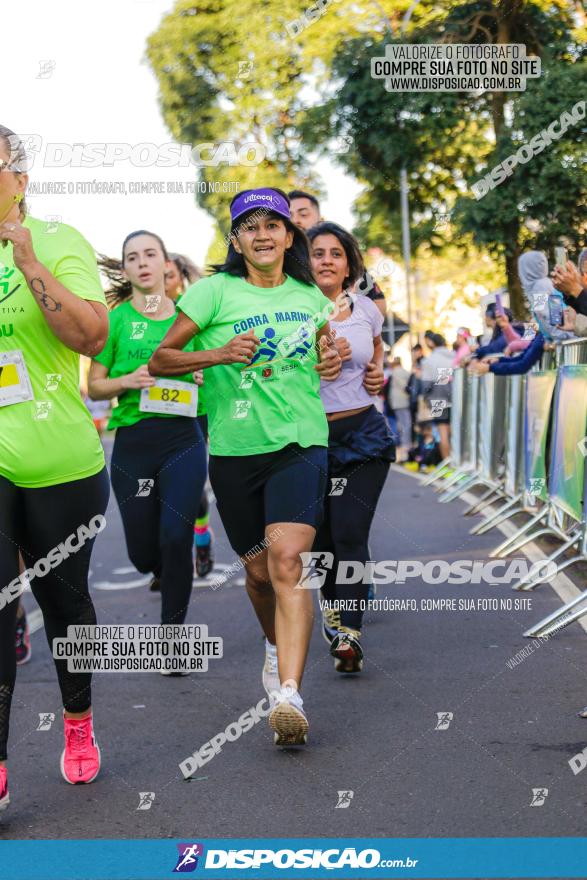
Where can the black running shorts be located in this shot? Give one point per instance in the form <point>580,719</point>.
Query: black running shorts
<point>253,491</point>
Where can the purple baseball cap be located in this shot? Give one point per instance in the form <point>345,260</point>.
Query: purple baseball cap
<point>259,198</point>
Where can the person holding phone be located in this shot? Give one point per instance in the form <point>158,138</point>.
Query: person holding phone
<point>544,301</point>
<point>158,466</point>
<point>571,280</point>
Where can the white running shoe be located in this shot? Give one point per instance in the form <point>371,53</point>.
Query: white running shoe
<point>271,681</point>
<point>288,720</point>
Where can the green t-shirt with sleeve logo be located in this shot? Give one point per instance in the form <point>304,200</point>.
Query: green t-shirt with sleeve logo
<point>263,406</point>
<point>50,437</point>
<point>132,339</point>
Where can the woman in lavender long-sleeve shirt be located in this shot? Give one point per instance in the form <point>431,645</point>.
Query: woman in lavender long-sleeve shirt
<point>360,445</point>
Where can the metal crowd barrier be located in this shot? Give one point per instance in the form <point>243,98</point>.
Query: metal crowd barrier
<point>523,438</point>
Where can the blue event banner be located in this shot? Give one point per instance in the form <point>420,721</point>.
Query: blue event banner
<point>383,858</point>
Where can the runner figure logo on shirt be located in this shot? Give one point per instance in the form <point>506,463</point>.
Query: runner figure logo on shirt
<point>138,329</point>
<point>247,379</point>
<point>297,344</point>
<point>268,347</point>
<point>187,860</point>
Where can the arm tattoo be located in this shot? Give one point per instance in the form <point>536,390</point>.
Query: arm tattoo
<point>37,286</point>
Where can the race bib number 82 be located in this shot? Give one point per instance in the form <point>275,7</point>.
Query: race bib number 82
<point>170,397</point>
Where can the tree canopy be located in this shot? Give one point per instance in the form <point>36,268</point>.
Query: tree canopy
<point>304,90</point>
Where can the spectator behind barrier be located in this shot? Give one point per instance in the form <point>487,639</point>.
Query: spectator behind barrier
<point>499,340</point>
<point>572,283</point>
<point>538,287</point>
<point>513,366</point>
<point>462,346</point>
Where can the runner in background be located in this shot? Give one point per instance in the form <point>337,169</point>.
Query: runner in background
<point>360,446</point>
<point>305,209</point>
<point>180,274</point>
<point>305,213</point>
<point>158,466</point>
<point>436,397</point>
<point>263,359</point>
<point>53,481</point>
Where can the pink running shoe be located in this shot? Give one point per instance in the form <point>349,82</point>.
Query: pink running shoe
<point>4,796</point>
<point>80,761</point>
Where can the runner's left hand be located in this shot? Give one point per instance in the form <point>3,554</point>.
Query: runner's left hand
<point>23,253</point>
<point>374,379</point>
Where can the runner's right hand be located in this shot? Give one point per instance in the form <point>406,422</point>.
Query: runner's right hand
<point>140,378</point>
<point>240,349</point>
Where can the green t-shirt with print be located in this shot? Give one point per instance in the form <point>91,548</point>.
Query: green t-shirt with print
<point>275,400</point>
<point>132,339</point>
<point>51,438</point>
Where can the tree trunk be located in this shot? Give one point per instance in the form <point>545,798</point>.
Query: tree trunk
<point>517,301</point>
<point>508,10</point>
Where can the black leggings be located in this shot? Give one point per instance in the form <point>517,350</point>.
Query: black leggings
<point>347,521</point>
<point>35,521</point>
<point>158,471</point>
<point>204,507</point>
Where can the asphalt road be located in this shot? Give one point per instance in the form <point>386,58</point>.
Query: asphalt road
<point>512,730</point>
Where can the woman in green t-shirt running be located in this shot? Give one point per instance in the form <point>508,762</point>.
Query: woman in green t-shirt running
<point>158,466</point>
<point>53,481</point>
<point>181,272</point>
<point>261,335</point>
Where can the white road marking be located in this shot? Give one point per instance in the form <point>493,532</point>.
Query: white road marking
<point>123,585</point>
